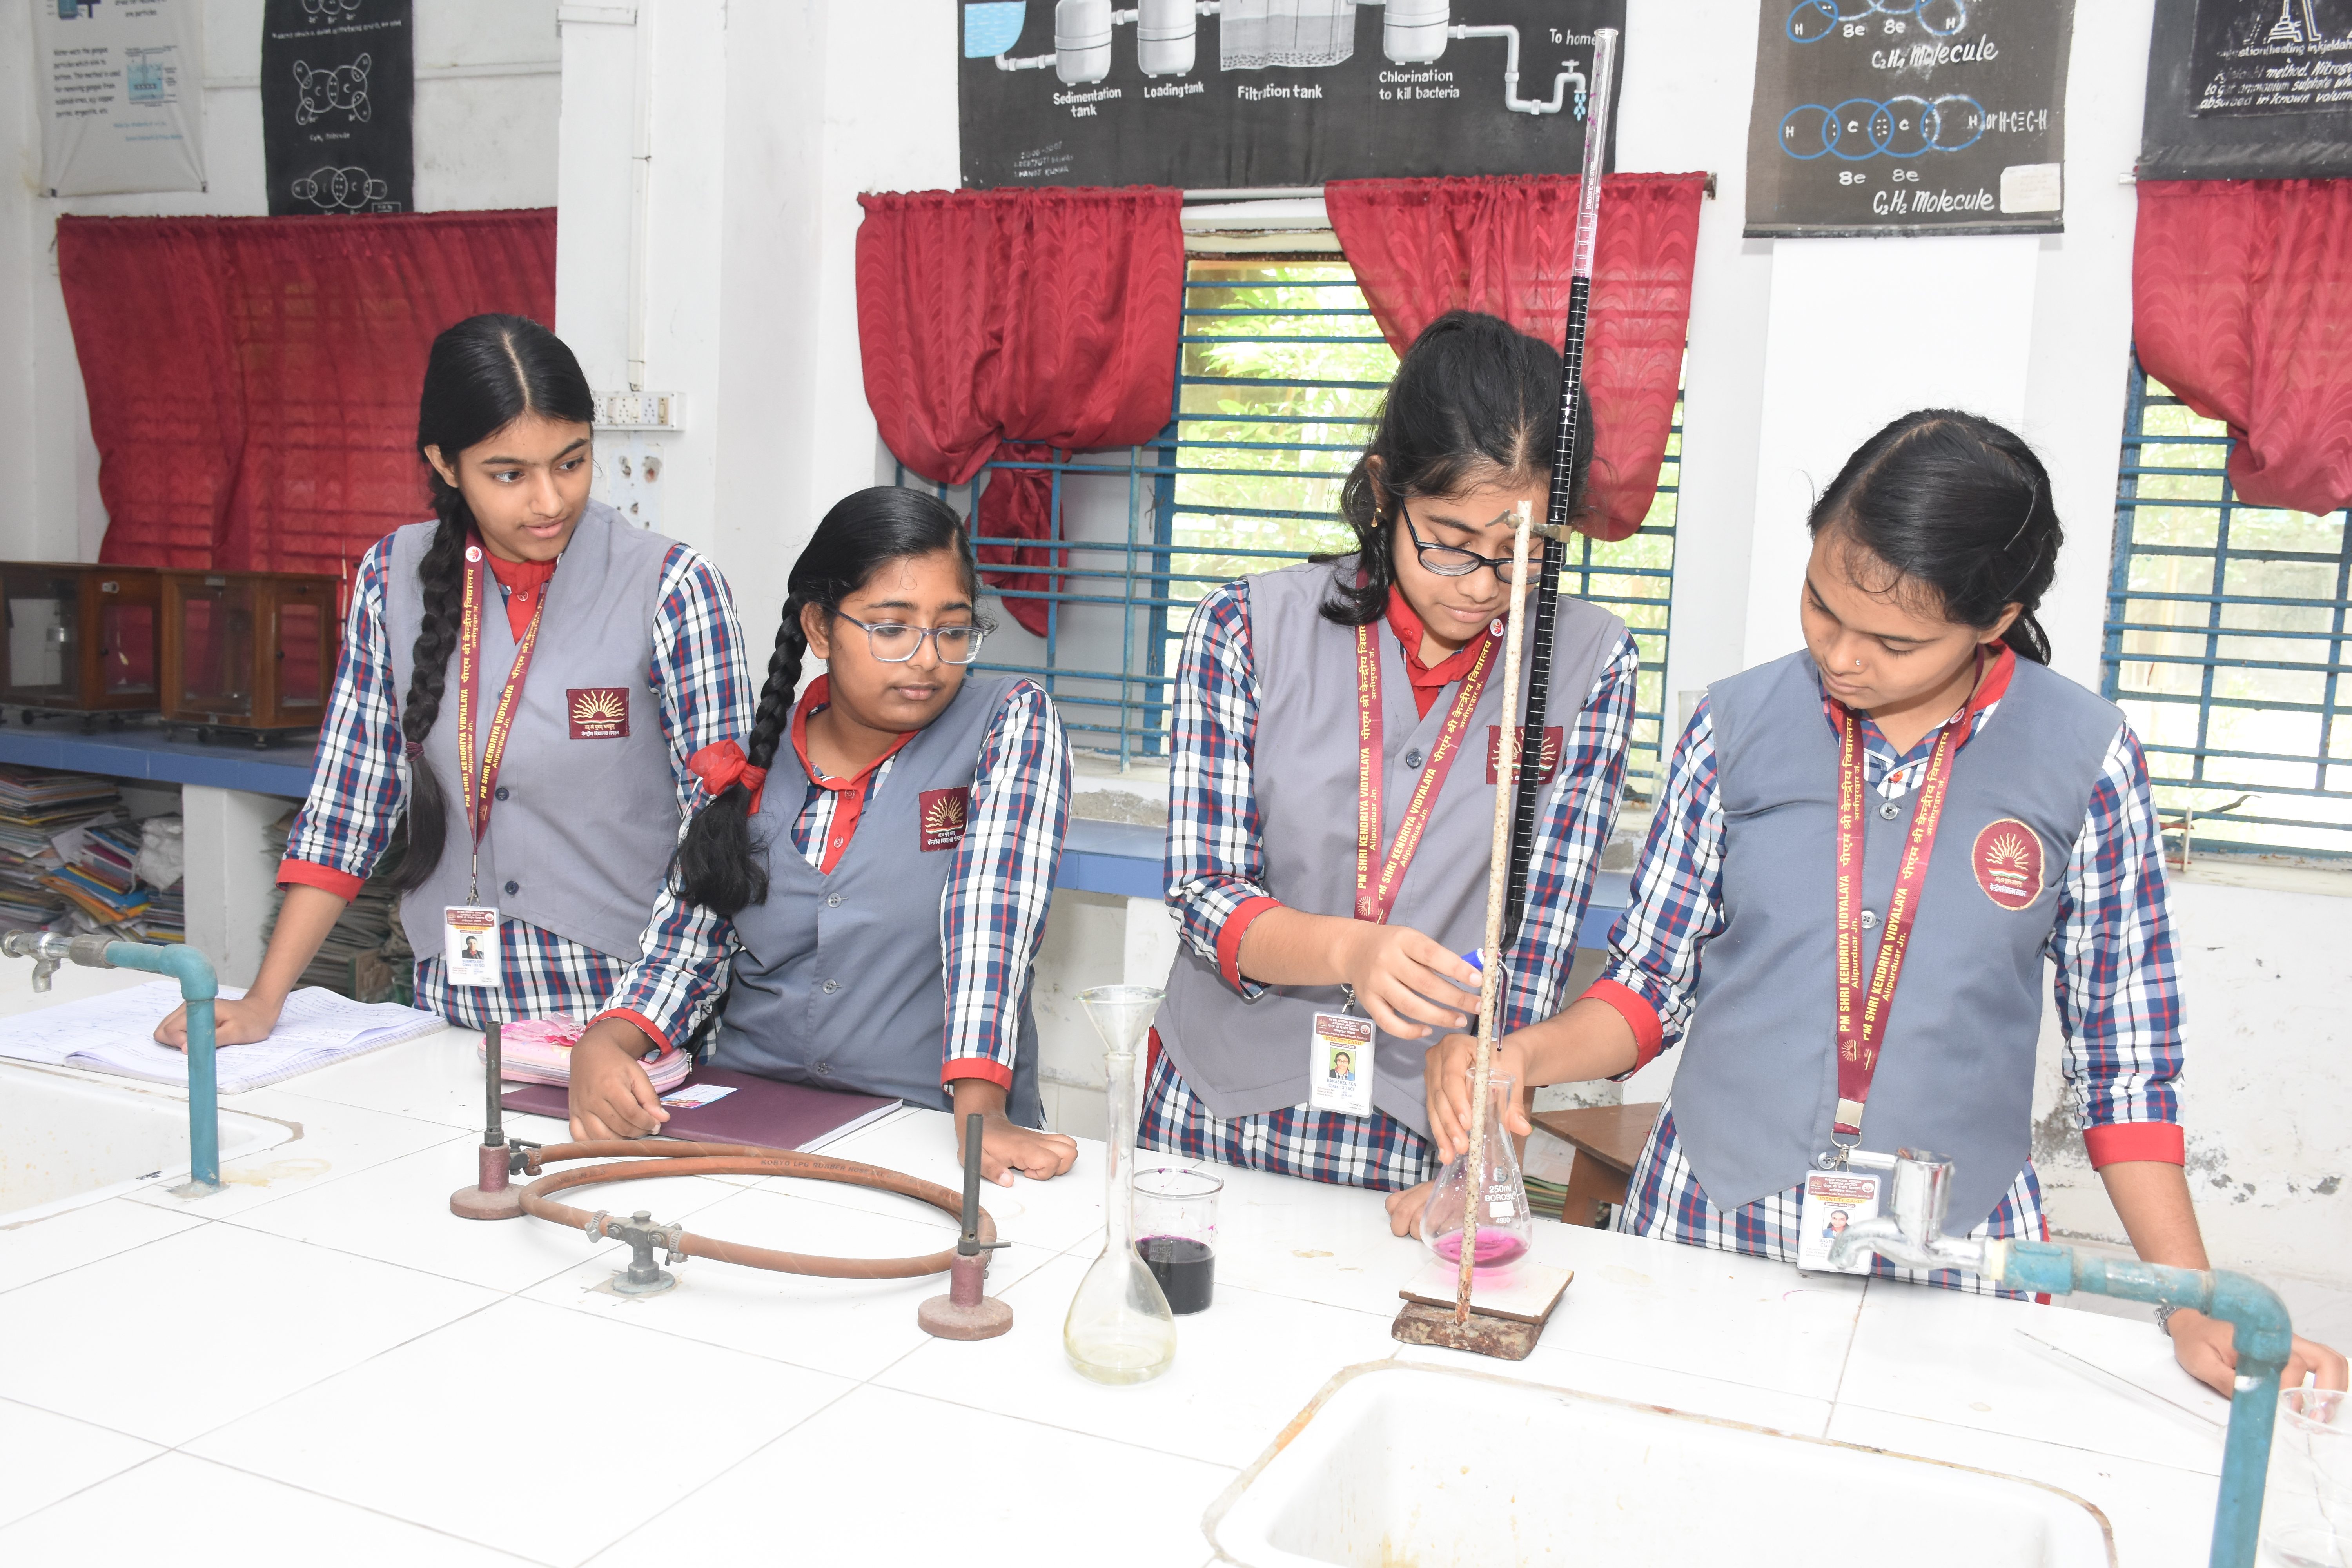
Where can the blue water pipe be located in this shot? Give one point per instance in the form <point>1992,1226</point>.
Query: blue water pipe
<point>2265,1337</point>
<point>198,987</point>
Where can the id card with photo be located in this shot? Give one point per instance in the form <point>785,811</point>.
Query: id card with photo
<point>1835,1200</point>
<point>1340,1064</point>
<point>469,945</point>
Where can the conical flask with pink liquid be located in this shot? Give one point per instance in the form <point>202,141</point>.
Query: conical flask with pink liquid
<point>1505,1222</point>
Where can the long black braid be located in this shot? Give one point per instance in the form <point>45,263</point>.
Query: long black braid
<point>718,864</point>
<point>484,374</point>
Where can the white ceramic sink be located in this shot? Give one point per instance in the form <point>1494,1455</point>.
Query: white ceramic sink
<point>1402,1465</point>
<point>66,1141</point>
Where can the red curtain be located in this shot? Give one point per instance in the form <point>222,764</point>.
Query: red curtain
<point>253,382</point>
<point>1046,316</point>
<point>1503,244</point>
<point>2242,304</point>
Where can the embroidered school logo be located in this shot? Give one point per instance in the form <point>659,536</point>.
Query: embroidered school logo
<point>2007,862</point>
<point>944,814</point>
<point>1547,762</point>
<point>598,712</point>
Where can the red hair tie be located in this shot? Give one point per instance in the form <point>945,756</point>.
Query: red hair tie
<point>722,764</point>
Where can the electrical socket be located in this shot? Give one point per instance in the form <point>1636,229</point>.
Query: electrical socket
<point>640,411</point>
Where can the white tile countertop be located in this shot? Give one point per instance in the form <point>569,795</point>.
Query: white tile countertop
<point>321,1364</point>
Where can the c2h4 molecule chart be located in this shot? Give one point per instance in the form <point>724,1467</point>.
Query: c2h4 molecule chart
<point>1908,117</point>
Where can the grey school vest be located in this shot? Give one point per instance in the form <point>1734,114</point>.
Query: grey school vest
<point>841,983</point>
<point>581,839</point>
<point>1241,1057</point>
<point>1753,1099</point>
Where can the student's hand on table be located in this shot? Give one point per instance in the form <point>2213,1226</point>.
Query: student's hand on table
<point>1407,982</point>
<point>1006,1146</point>
<point>1446,1081</point>
<point>2205,1350</point>
<point>1404,1208</point>
<point>239,1022</point>
<point>611,1095</point>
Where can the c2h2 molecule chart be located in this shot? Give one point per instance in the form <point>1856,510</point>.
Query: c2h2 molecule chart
<point>1863,128</point>
<point>1817,19</point>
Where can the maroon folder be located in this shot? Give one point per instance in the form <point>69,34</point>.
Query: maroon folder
<point>761,1112</point>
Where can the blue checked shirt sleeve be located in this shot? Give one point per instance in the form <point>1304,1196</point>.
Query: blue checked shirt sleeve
<point>1215,859</point>
<point>1576,826</point>
<point>993,909</point>
<point>2118,990</point>
<point>698,679</point>
<point>357,788</point>
<point>1677,903</point>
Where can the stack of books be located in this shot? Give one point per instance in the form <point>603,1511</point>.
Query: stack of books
<point>100,876</point>
<point>366,957</point>
<point>37,806</point>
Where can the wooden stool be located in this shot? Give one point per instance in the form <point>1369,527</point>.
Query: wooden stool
<point>1607,1139</point>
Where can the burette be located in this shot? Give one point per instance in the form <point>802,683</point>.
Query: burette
<point>1557,530</point>
<point>1506,893</point>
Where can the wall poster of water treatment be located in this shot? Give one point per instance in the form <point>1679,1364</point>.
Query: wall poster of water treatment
<point>1274,92</point>
<point>1889,117</point>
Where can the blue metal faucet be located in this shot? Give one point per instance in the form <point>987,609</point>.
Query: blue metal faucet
<point>198,987</point>
<point>1911,1236</point>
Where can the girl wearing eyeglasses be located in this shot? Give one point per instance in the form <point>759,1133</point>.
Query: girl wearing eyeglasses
<point>1369,681</point>
<point>884,847</point>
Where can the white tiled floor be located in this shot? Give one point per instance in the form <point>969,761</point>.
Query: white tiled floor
<point>322,1365</point>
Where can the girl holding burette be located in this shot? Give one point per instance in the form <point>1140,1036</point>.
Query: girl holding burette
<point>884,847</point>
<point>1332,789</point>
<point>524,679</point>
<point>1861,857</point>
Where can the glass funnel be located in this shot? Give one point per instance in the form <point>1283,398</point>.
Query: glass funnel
<point>1120,1328</point>
<point>1505,1222</point>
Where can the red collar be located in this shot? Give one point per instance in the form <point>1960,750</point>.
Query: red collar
<point>818,695</point>
<point>1992,685</point>
<point>1410,631</point>
<point>515,576</point>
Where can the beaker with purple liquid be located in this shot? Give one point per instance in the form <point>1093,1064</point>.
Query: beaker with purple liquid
<point>1506,1221</point>
<point>1176,1233</point>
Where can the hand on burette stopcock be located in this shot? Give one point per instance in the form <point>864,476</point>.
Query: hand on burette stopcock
<point>1404,981</point>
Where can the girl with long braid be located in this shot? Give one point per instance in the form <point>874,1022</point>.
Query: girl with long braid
<point>525,677</point>
<point>885,847</point>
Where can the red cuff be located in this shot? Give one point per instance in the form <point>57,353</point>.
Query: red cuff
<point>988,1067</point>
<point>652,1031</point>
<point>1649,1036</point>
<point>310,874</point>
<point>1229,937</point>
<point>2162,1143</point>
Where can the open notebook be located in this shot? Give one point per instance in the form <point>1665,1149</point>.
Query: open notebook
<point>115,1033</point>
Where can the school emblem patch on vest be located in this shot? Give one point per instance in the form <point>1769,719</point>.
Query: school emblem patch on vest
<point>598,712</point>
<point>2008,863</point>
<point>944,814</point>
<point>1546,760</point>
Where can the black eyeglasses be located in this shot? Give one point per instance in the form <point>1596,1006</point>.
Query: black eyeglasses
<point>894,642</point>
<point>1447,560</point>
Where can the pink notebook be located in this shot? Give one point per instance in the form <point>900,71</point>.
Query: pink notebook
<point>757,1110</point>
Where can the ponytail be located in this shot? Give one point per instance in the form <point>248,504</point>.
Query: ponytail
<point>718,864</point>
<point>483,374</point>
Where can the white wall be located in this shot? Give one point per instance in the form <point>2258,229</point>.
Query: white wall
<point>485,136</point>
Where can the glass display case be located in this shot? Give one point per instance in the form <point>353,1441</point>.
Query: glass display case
<point>82,639</point>
<point>252,652</point>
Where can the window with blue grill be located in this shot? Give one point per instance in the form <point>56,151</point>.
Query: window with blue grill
<point>2226,643</point>
<point>1279,381</point>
